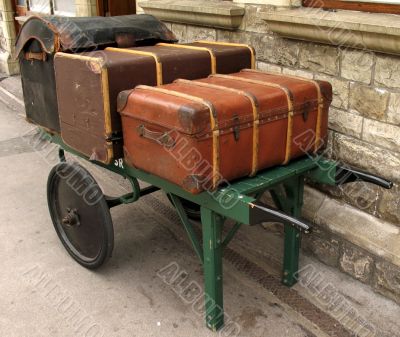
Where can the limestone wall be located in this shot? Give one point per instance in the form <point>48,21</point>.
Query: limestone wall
<point>358,226</point>
<point>7,38</point>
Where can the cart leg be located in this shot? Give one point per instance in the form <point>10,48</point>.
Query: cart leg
<point>212,250</point>
<point>294,193</point>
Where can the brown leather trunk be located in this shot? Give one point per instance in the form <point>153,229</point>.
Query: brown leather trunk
<point>88,85</point>
<point>199,134</point>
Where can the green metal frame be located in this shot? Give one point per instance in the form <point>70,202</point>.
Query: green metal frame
<point>286,184</point>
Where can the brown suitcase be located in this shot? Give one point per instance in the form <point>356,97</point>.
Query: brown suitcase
<point>88,85</point>
<point>198,134</point>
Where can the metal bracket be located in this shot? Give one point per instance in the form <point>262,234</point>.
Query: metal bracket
<point>231,234</point>
<point>130,197</point>
<point>188,226</point>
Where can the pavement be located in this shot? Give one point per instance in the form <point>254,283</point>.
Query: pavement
<point>43,292</point>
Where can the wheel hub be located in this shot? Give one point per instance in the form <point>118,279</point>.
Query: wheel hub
<point>72,218</point>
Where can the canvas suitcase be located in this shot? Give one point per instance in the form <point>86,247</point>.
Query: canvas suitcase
<point>41,37</point>
<point>200,133</point>
<point>88,85</point>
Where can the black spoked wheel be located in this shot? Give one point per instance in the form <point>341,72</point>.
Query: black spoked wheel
<point>80,214</point>
<point>192,210</point>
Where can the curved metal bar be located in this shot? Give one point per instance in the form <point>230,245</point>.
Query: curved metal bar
<point>346,175</point>
<point>126,198</point>
<point>261,213</point>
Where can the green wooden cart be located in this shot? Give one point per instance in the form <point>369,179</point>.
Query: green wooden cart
<point>81,213</point>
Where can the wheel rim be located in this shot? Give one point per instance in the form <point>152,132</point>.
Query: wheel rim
<point>80,213</point>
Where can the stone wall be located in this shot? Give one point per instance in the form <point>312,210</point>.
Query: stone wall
<point>7,38</point>
<point>364,132</point>
<point>86,7</point>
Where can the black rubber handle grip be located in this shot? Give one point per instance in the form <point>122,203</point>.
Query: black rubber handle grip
<point>261,213</point>
<point>346,175</point>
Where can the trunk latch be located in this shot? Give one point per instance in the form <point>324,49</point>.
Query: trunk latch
<point>236,127</point>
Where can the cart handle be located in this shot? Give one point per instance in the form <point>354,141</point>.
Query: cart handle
<point>346,175</point>
<point>261,213</point>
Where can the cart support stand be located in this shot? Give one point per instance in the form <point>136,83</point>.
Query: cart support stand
<point>212,250</point>
<point>290,200</point>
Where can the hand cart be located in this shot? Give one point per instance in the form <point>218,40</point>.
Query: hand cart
<point>81,213</point>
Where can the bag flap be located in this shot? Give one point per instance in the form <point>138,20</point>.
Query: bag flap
<point>73,34</point>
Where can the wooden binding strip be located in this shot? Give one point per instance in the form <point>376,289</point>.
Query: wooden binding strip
<point>289,98</point>
<point>254,104</point>
<point>253,55</point>
<point>320,102</point>
<point>213,121</point>
<point>184,46</point>
<point>143,53</point>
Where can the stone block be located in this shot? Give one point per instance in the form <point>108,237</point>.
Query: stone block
<point>387,280</point>
<point>277,50</point>
<point>361,195</point>
<point>387,71</point>
<point>335,192</point>
<point>389,205</point>
<point>252,39</point>
<point>369,102</point>
<point>221,14</point>
<point>6,6</point>
<point>313,200</point>
<point>319,58</point>
<point>223,35</point>
<point>297,72</point>
<point>357,65</point>
<point>180,32</point>
<point>386,135</point>
<point>356,263</point>
<point>366,156</point>
<point>268,67</point>
<point>200,33</point>
<point>393,114</point>
<point>341,91</point>
<point>168,24</point>
<point>371,235</point>
<point>345,122</point>
<point>251,20</point>
<point>323,248</point>
<point>328,151</point>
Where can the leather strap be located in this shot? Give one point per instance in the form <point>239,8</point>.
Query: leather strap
<point>318,126</point>
<point>252,53</point>
<point>30,56</point>
<point>290,107</point>
<point>256,119</point>
<point>213,121</point>
<point>184,46</point>
<point>159,71</point>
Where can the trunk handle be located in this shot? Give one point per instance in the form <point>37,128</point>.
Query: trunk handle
<point>162,138</point>
<point>30,56</point>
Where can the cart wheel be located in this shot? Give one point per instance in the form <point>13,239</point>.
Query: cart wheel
<point>192,209</point>
<point>80,214</point>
